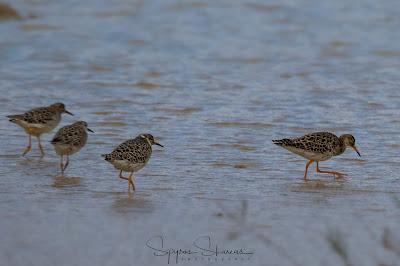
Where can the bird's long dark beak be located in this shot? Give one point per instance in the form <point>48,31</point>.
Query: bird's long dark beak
<point>355,148</point>
<point>69,113</point>
<point>90,130</point>
<point>158,144</point>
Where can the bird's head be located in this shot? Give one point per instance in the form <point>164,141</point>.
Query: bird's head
<point>349,141</point>
<point>150,139</point>
<point>84,125</point>
<point>60,107</point>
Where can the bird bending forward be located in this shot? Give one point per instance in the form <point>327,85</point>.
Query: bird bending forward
<point>319,146</point>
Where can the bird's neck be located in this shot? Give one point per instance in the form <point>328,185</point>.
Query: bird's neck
<point>340,148</point>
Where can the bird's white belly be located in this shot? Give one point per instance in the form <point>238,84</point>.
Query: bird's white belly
<point>310,154</point>
<point>38,128</point>
<point>127,166</point>
<point>63,149</point>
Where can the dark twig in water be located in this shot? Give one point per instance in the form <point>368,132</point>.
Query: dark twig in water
<point>389,242</point>
<point>397,201</point>
<point>337,243</point>
<point>241,221</point>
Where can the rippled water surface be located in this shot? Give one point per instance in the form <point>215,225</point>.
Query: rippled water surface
<point>214,82</point>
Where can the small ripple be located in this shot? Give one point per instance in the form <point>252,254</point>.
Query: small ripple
<point>240,124</point>
<point>179,111</point>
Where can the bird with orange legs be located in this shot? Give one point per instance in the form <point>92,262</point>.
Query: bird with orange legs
<point>69,140</point>
<point>319,146</point>
<point>131,156</point>
<point>39,121</point>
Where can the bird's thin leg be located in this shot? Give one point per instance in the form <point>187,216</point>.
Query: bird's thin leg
<point>40,145</point>
<point>61,164</point>
<point>335,173</point>
<point>131,183</point>
<point>65,167</point>
<point>310,162</point>
<point>120,176</point>
<point>30,141</point>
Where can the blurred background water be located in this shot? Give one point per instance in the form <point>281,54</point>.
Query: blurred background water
<point>214,82</point>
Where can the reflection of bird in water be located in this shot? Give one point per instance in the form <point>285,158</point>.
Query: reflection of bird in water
<point>132,155</point>
<point>319,146</point>
<point>70,139</point>
<point>39,121</point>
<point>64,182</point>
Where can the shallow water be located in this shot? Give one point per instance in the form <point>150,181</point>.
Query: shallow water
<point>214,82</point>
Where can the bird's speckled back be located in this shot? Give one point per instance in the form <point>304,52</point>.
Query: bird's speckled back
<point>136,150</point>
<point>319,142</point>
<point>74,135</point>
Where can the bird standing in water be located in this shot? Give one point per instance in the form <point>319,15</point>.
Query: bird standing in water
<point>132,155</point>
<point>319,146</point>
<point>70,139</point>
<point>39,121</point>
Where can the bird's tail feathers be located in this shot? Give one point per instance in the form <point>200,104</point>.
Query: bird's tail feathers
<point>107,157</point>
<point>283,142</point>
<point>15,118</point>
<point>55,140</point>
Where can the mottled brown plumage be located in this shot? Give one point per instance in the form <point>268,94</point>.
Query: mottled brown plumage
<point>132,155</point>
<point>319,146</point>
<point>69,140</point>
<point>39,121</point>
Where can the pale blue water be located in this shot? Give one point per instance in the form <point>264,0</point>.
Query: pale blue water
<point>214,82</point>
